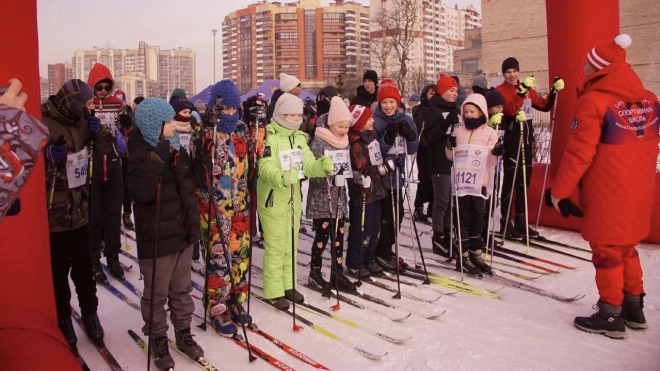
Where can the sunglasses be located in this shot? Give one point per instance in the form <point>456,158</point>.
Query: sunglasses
<point>102,88</point>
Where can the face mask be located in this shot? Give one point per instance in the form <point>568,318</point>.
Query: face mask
<point>473,123</point>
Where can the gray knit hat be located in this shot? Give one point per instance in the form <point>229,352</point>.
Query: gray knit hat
<point>288,104</point>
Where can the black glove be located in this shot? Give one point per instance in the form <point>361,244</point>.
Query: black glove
<point>451,142</point>
<point>406,131</point>
<point>125,121</point>
<point>498,150</point>
<point>391,132</point>
<point>566,206</point>
<point>452,118</point>
<point>163,150</point>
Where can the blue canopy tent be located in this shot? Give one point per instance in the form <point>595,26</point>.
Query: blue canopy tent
<point>265,90</point>
<point>203,95</point>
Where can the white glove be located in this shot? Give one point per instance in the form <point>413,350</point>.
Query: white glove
<point>366,181</point>
<point>340,180</point>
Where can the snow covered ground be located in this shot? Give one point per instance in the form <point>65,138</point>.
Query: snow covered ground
<point>520,331</point>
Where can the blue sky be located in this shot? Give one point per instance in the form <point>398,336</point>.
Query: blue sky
<point>68,25</point>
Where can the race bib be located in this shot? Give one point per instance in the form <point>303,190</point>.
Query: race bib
<point>470,169</point>
<point>375,156</point>
<point>295,157</point>
<point>399,148</point>
<point>184,139</point>
<point>342,161</point>
<point>527,107</point>
<point>76,168</point>
<point>108,120</point>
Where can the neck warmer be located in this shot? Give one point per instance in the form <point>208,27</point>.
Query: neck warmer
<point>175,142</point>
<point>473,123</point>
<point>332,139</point>
<point>285,122</point>
<point>228,123</point>
<point>182,123</point>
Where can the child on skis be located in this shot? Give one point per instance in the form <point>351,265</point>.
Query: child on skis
<point>365,190</point>
<point>328,219</point>
<point>475,131</point>
<point>520,98</point>
<point>162,185</point>
<point>278,186</point>
<point>224,210</point>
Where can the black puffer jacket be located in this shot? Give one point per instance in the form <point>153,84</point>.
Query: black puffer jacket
<point>179,219</point>
<point>419,111</point>
<point>363,97</point>
<point>436,131</point>
<point>271,106</point>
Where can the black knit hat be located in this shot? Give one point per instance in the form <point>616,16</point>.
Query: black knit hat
<point>509,63</point>
<point>371,75</point>
<point>494,98</point>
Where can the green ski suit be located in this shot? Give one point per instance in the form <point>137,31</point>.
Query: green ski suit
<point>274,197</point>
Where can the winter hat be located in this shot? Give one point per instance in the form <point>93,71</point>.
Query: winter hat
<point>480,81</point>
<point>494,98</point>
<point>414,97</point>
<point>371,75</point>
<point>509,63</point>
<point>288,104</point>
<point>288,82</point>
<point>338,112</point>
<point>445,83</point>
<point>71,100</point>
<point>609,53</point>
<point>388,89</point>
<point>178,92</point>
<point>457,79</point>
<point>476,100</point>
<point>226,90</point>
<point>179,104</point>
<point>359,117</point>
<point>150,116</point>
<point>121,95</point>
<point>330,91</point>
<point>138,100</point>
<point>200,106</point>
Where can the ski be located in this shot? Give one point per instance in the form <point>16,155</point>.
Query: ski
<point>517,275</point>
<point>258,352</point>
<point>103,350</point>
<point>126,254</point>
<point>561,244</point>
<point>392,289</point>
<point>409,235</point>
<point>124,282</point>
<point>445,283</point>
<point>535,290</point>
<point>531,270</point>
<point>129,236</point>
<point>455,282</point>
<point>82,362</point>
<point>544,247</point>
<point>323,331</point>
<point>286,348</point>
<point>120,295</point>
<point>201,363</point>
<point>532,257</point>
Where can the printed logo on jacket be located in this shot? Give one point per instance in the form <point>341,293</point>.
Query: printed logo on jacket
<point>624,123</point>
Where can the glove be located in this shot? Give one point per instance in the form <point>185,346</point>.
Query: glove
<point>326,164</point>
<point>495,119</point>
<point>290,177</point>
<point>258,112</point>
<point>558,85</point>
<point>366,181</point>
<point>125,121</point>
<point>162,149</point>
<point>93,124</point>
<point>406,131</point>
<point>387,166</point>
<point>498,150</point>
<point>566,207</point>
<point>340,181</point>
<point>400,161</point>
<point>121,141</point>
<point>391,132</point>
<point>451,142</point>
<point>55,152</point>
<point>453,118</point>
<point>521,116</point>
<point>527,83</point>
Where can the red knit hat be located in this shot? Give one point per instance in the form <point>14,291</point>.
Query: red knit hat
<point>388,89</point>
<point>610,52</point>
<point>359,116</point>
<point>445,83</point>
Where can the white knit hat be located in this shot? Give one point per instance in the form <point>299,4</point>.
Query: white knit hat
<point>338,112</point>
<point>288,82</point>
<point>288,104</point>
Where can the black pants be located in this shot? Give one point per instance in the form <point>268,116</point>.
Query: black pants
<point>387,234</point>
<point>323,228</point>
<point>424,192</point>
<point>510,163</point>
<point>496,202</point>
<point>69,251</point>
<point>107,197</point>
<point>362,242</point>
<point>471,210</point>
<point>195,253</point>
<point>128,201</point>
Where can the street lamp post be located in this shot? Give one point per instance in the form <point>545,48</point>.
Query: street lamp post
<point>214,32</point>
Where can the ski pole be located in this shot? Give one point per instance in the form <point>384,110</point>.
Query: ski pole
<point>209,238</point>
<point>296,328</point>
<point>513,187</point>
<point>333,237</point>
<point>547,165</point>
<point>366,184</point>
<point>406,186</point>
<point>491,211</point>
<point>395,225</point>
<point>412,164</point>
<point>458,213</point>
<point>252,191</point>
<point>524,170</point>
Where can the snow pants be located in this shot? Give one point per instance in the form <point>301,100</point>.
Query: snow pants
<point>107,200</point>
<point>618,270</point>
<point>388,234</point>
<point>370,234</point>
<point>424,192</point>
<point>471,215</point>
<point>324,227</point>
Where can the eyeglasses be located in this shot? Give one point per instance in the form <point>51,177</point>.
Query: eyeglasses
<point>102,88</point>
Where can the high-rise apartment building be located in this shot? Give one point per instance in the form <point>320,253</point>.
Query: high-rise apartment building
<point>58,74</point>
<point>44,86</point>
<point>437,32</point>
<point>315,43</point>
<point>168,69</point>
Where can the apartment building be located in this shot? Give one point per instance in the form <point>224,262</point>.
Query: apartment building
<point>58,74</point>
<point>318,44</point>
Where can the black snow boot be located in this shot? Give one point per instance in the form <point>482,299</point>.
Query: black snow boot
<point>468,267</point>
<point>66,326</point>
<point>188,345</point>
<point>363,272</point>
<point>521,224</point>
<point>279,303</point>
<point>99,275</point>
<point>316,279</point>
<point>606,321</point>
<point>128,223</point>
<point>345,284</point>
<point>419,215</point>
<point>387,262</point>
<point>441,245</point>
<point>294,295</point>
<point>633,313</point>
<point>476,257</point>
<point>114,267</point>
<point>93,328</point>
<point>160,352</point>
<point>511,232</point>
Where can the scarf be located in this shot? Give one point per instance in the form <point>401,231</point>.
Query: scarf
<point>327,136</point>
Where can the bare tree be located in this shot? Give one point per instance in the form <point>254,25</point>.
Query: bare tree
<point>418,80</point>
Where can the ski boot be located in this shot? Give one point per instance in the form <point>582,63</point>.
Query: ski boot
<point>373,268</point>
<point>632,313</point>
<point>521,224</point>
<point>160,352</point>
<point>511,232</point>
<point>93,328</point>
<point>402,265</point>
<point>223,324</point>
<point>441,245</point>
<point>316,279</point>
<point>388,261</point>
<point>186,343</point>
<point>115,268</point>
<point>128,223</point>
<point>419,215</point>
<point>198,266</point>
<point>66,326</point>
<point>344,283</point>
<point>280,303</point>
<point>363,273</point>
<point>476,257</point>
<point>239,315</point>
<point>606,321</point>
<point>99,275</point>
<point>294,295</point>
<point>302,229</point>
<point>468,268</point>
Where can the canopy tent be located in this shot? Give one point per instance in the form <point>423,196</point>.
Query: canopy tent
<point>204,95</point>
<point>265,90</point>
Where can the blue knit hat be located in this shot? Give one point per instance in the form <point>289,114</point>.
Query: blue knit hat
<point>150,116</point>
<point>229,93</point>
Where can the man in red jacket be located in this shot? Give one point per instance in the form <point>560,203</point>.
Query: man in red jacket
<point>520,98</point>
<point>107,180</point>
<point>612,154</point>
